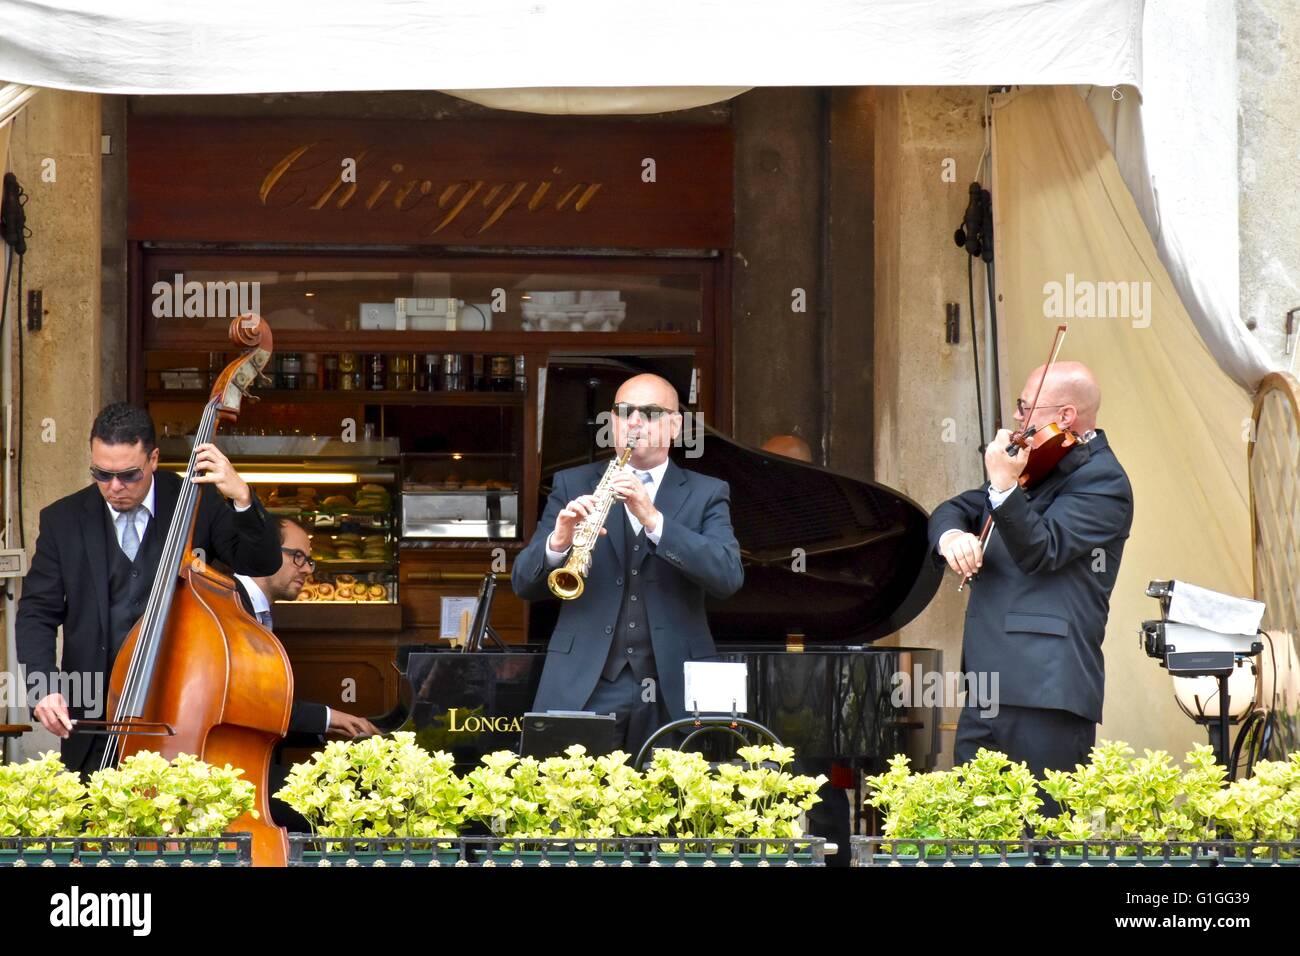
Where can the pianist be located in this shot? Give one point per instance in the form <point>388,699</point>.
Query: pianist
<point>620,646</point>
<point>1038,607</point>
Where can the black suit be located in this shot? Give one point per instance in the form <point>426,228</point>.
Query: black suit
<point>1037,610</point>
<point>306,719</point>
<point>68,582</point>
<point>697,556</point>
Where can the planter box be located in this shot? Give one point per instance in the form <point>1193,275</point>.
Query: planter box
<point>380,858</point>
<point>147,854</point>
<point>1103,859</point>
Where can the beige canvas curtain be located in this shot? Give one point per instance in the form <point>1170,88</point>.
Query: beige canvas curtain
<point>1066,227</point>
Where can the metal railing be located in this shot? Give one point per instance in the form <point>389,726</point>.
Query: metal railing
<point>231,849</point>
<point>895,851</point>
<point>309,850</point>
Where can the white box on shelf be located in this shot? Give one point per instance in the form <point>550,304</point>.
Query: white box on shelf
<point>378,316</point>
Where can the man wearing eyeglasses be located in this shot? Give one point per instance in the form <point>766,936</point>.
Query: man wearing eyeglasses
<point>1041,595</point>
<point>96,558</point>
<point>257,595</point>
<point>665,547</point>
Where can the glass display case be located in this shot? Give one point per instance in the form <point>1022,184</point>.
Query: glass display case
<point>342,295</point>
<point>460,495</point>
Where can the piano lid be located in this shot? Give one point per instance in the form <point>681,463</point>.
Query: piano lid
<point>831,557</point>
<point>863,571</point>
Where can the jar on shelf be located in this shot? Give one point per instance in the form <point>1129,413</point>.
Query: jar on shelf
<point>501,370</point>
<point>427,376</point>
<point>377,379</point>
<point>349,371</point>
<point>399,373</point>
<point>330,373</point>
<point>453,372</point>
<point>478,376</point>
<point>311,370</point>
<point>521,373</point>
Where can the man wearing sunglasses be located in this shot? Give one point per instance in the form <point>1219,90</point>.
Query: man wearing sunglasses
<point>97,556</point>
<point>1038,607</point>
<point>666,545</point>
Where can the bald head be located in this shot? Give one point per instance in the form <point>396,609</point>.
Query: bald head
<point>648,389</point>
<point>1070,396</point>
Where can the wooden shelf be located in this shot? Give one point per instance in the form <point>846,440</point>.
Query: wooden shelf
<point>356,397</point>
<point>337,616</point>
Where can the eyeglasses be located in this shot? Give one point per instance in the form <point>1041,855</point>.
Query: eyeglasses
<point>651,413</point>
<point>128,477</point>
<point>1022,408</point>
<point>300,558</point>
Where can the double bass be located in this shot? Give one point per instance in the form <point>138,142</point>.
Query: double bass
<point>196,664</point>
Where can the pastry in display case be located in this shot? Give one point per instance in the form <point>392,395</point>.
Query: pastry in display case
<point>352,540</point>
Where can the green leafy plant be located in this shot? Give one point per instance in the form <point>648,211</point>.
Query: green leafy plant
<point>377,787</point>
<point>40,798</point>
<point>987,798</point>
<point>1117,796</point>
<point>146,795</point>
<point>1264,807</point>
<point>505,795</point>
<point>771,799</point>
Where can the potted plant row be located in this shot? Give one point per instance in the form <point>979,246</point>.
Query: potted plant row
<point>1117,809</point>
<point>387,799</point>
<point>184,802</point>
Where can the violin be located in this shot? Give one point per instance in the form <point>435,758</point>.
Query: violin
<point>1046,445</point>
<point>197,674</point>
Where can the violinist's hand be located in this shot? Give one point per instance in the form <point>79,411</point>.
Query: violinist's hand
<point>963,552</point>
<point>1004,470</point>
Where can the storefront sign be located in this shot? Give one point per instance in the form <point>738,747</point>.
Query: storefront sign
<point>531,183</point>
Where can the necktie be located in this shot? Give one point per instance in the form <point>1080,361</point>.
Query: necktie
<point>264,618</point>
<point>647,479</point>
<point>130,537</point>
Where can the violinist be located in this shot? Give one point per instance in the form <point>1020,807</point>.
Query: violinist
<point>96,558</point>
<point>1040,585</point>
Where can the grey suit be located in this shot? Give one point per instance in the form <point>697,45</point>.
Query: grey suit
<point>697,556</point>
<point>1038,608</point>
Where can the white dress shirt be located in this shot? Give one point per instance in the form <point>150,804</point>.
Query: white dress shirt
<point>142,517</point>
<point>555,558</point>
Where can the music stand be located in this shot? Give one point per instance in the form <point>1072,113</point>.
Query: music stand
<point>481,626</point>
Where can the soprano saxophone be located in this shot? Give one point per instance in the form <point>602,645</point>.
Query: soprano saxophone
<point>567,581</point>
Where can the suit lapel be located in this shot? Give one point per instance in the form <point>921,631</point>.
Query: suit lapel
<point>670,498</point>
<point>94,536</point>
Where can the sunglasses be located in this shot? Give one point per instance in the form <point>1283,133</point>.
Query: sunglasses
<point>651,413</point>
<point>300,558</point>
<point>128,477</point>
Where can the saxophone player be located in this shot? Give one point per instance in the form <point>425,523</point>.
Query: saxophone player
<point>666,543</point>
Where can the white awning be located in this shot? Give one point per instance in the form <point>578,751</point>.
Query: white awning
<point>255,46</point>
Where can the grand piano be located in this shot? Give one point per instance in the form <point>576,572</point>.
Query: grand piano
<point>807,623</point>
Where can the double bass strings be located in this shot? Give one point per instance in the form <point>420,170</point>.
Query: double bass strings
<point>136,686</point>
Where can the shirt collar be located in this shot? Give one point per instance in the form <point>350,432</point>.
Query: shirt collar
<point>147,504</point>
<point>255,594</point>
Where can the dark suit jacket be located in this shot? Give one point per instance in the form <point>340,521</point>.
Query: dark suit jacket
<point>1038,608</point>
<point>67,583</point>
<point>697,556</point>
<point>306,719</point>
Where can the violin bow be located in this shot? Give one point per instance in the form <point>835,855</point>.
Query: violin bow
<point>987,531</point>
